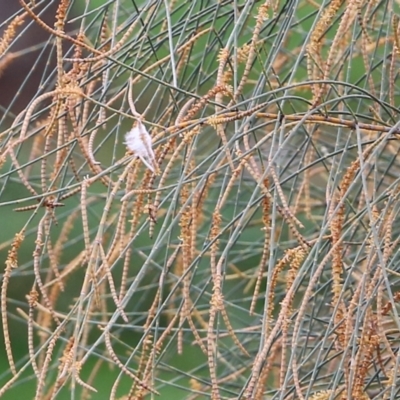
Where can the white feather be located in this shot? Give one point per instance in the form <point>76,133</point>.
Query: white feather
<point>138,141</point>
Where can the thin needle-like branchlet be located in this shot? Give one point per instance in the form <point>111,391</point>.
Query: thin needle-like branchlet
<point>11,264</point>
<point>122,366</point>
<point>266,205</point>
<point>32,301</point>
<point>36,268</point>
<point>85,224</point>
